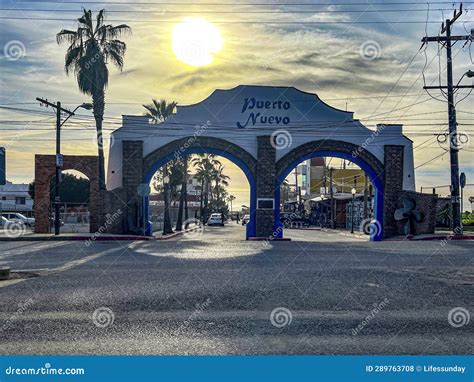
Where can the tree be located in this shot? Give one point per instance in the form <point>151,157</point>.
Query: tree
<point>90,50</point>
<point>72,189</point>
<point>205,166</point>
<point>220,179</point>
<point>158,112</point>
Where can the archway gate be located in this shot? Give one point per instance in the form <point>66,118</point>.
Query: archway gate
<point>45,167</point>
<point>266,131</point>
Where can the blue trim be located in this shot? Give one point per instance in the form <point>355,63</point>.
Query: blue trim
<point>374,177</point>
<point>251,226</point>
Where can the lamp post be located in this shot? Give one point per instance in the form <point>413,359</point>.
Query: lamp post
<point>167,229</point>
<point>353,192</point>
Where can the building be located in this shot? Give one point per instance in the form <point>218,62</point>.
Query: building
<point>15,198</point>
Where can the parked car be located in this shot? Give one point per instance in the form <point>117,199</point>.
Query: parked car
<point>4,222</point>
<point>215,219</point>
<point>245,219</point>
<point>20,218</point>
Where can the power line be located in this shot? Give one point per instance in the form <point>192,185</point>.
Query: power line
<point>244,4</point>
<point>236,21</point>
<point>431,160</point>
<point>234,11</point>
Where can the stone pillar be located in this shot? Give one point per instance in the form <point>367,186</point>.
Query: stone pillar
<point>393,184</point>
<point>132,176</point>
<point>265,185</point>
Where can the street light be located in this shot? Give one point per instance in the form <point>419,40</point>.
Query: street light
<point>166,214</point>
<point>353,192</point>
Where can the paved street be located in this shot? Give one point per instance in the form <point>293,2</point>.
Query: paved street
<point>213,293</point>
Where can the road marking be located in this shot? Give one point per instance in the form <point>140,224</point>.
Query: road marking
<point>62,268</point>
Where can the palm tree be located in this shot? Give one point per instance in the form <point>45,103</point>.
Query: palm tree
<point>219,178</point>
<point>90,50</point>
<point>205,164</point>
<point>158,112</point>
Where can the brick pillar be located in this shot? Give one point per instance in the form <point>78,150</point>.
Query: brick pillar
<point>132,176</point>
<point>265,184</point>
<point>44,168</point>
<point>393,184</point>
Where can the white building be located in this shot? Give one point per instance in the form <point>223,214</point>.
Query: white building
<point>15,198</point>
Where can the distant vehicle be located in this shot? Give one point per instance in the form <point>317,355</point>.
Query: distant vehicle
<point>4,222</point>
<point>215,219</point>
<point>245,219</point>
<point>19,218</point>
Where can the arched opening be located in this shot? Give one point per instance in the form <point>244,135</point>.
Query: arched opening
<point>155,161</point>
<point>45,166</point>
<point>349,211</point>
<point>74,202</point>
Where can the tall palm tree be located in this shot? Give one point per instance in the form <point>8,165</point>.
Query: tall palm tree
<point>91,49</point>
<point>220,179</point>
<point>158,112</point>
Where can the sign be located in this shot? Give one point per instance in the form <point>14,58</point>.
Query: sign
<point>264,112</point>
<point>462,180</point>
<point>59,160</point>
<point>265,204</point>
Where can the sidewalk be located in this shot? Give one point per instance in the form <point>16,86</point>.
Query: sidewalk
<point>31,236</point>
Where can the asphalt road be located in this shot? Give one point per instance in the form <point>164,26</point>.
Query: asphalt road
<point>213,293</point>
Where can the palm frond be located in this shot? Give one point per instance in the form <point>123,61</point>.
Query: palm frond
<point>66,35</point>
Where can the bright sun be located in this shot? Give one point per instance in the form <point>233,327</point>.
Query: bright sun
<point>195,40</point>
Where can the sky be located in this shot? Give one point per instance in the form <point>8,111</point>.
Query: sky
<point>363,58</point>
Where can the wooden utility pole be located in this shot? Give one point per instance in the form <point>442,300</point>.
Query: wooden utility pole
<point>447,41</point>
<point>59,158</point>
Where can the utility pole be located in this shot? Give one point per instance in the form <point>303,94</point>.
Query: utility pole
<point>448,40</point>
<point>58,159</point>
<point>331,193</point>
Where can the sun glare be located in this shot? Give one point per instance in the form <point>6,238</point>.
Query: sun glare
<point>195,41</point>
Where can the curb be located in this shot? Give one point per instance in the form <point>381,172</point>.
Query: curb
<point>77,238</point>
<point>446,237</point>
<point>175,234</point>
<point>268,239</point>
